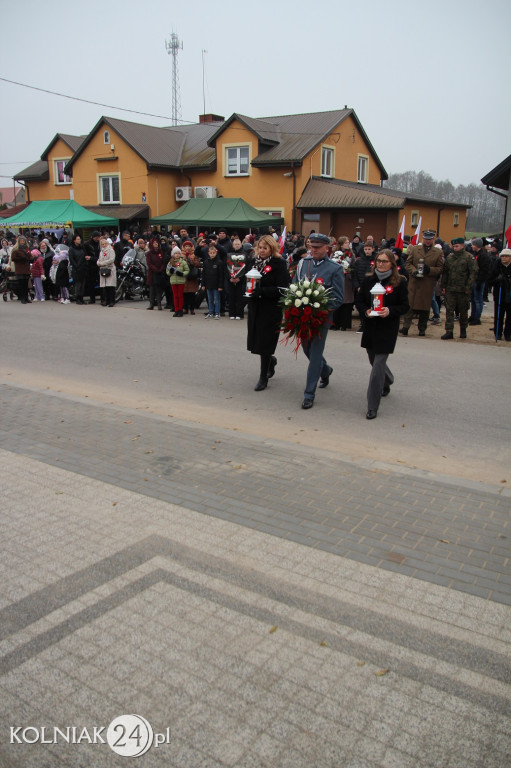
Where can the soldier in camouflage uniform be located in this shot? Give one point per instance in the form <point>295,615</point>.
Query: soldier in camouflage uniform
<point>457,280</point>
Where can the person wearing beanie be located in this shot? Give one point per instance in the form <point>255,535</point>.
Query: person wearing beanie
<point>457,280</point>
<point>483,261</point>
<point>500,280</point>
<point>37,273</point>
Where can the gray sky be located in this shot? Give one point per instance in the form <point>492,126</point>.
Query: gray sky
<point>430,81</point>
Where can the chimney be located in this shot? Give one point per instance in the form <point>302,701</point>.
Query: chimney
<point>211,118</point>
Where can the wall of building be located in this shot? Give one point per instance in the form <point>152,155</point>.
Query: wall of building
<point>51,190</point>
<point>436,216</point>
<point>98,159</point>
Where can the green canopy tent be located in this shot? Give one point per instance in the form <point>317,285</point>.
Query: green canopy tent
<point>58,213</point>
<point>220,211</point>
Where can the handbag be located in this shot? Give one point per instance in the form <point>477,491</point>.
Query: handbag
<point>105,271</point>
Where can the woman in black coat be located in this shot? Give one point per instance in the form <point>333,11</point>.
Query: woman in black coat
<point>264,310</point>
<point>78,267</point>
<point>380,331</point>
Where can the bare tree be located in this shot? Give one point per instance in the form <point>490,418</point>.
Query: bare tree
<point>486,214</point>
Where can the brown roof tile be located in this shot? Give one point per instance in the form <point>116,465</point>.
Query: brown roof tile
<point>330,193</point>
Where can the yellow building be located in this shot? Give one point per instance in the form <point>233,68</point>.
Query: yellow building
<point>317,171</point>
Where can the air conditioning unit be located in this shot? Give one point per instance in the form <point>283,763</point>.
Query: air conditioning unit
<point>183,193</point>
<point>208,192</point>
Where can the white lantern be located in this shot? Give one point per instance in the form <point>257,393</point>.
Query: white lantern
<point>252,277</point>
<point>378,292</point>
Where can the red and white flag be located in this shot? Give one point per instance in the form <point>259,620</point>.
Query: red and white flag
<point>282,240</point>
<point>415,238</point>
<point>401,236</point>
<point>508,236</point>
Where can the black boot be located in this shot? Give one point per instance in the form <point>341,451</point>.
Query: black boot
<point>271,367</point>
<point>263,376</point>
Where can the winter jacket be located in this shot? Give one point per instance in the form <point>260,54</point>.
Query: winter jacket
<point>484,266</point>
<point>213,272</point>
<point>459,272</point>
<point>77,262</point>
<point>380,333</point>
<point>420,289</point>
<point>178,269</point>
<point>363,264</point>
<point>331,273</point>
<point>155,268</point>
<point>37,268</point>
<point>500,280</point>
<point>107,259</point>
<point>21,259</point>
<point>264,310</point>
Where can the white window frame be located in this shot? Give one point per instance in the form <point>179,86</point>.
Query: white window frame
<point>67,179</point>
<point>362,165</point>
<point>106,137</point>
<point>327,162</point>
<point>235,149</point>
<point>414,219</point>
<point>276,212</point>
<point>456,219</point>
<point>110,176</point>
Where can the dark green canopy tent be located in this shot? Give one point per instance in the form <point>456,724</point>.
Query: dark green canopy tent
<point>220,211</point>
<point>57,213</point>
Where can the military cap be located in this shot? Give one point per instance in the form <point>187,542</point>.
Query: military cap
<point>317,237</point>
<point>429,234</point>
<point>458,240</point>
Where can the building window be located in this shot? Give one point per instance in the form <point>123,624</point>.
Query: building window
<point>456,220</point>
<point>60,176</point>
<point>362,170</point>
<point>110,189</point>
<point>237,161</point>
<point>106,137</point>
<point>327,162</point>
<point>415,218</point>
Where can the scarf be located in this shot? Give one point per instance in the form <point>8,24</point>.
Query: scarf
<point>382,275</point>
<point>260,264</point>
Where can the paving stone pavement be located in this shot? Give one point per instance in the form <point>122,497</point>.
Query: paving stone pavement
<point>453,534</point>
<point>196,577</point>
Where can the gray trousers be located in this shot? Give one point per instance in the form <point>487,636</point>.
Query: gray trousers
<point>381,376</point>
<point>318,366</point>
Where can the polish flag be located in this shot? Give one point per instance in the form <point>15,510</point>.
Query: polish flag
<point>415,238</point>
<point>282,240</point>
<point>508,236</point>
<point>401,236</point>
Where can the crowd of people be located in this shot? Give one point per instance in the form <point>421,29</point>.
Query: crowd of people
<point>183,271</point>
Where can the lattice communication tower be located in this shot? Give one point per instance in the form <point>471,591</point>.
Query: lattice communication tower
<point>173,45</point>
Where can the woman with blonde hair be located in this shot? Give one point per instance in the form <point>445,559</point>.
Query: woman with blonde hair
<point>107,273</point>
<point>264,310</point>
<point>381,328</point>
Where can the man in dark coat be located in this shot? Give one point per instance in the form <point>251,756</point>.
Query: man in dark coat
<point>91,257</point>
<point>122,247</point>
<point>484,266</point>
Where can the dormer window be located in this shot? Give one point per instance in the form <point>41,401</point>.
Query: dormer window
<point>59,175</point>
<point>237,161</point>
<point>327,162</point>
<point>106,137</point>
